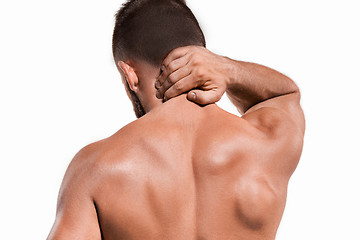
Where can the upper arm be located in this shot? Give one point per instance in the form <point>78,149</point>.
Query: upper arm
<point>278,115</point>
<point>282,122</point>
<point>76,216</point>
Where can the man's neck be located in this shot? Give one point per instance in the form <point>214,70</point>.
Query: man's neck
<point>180,108</point>
<point>176,104</point>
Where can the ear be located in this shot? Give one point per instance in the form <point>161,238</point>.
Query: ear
<point>130,75</point>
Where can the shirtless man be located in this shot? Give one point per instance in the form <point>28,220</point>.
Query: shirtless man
<point>186,169</point>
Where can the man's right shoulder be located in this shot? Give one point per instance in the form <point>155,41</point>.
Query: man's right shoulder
<point>114,149</point>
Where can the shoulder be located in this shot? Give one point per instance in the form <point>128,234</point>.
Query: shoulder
<point>97,159</point>
<point>93,159</point>
<point>278,115</point>
<point>282,123</point>
<point>271,140</point>
<point>79,174</point>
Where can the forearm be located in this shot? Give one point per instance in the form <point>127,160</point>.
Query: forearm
<point>250,83</point>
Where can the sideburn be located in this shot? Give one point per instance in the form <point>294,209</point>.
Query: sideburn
<point>138,108</point>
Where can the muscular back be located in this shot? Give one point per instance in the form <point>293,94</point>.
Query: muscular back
<point>185,172</point>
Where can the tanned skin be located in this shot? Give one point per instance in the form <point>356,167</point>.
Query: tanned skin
<point>188,169</point>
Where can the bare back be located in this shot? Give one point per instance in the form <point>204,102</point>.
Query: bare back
<point>185,172</point>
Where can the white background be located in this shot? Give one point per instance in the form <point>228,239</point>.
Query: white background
<point>60,91</point>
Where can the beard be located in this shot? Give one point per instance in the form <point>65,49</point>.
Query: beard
<point>137,106</point>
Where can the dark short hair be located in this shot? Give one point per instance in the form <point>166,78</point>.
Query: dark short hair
<point>149,29</point>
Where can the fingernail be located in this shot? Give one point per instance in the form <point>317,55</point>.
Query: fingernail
<point>157,84</point>
<point>193,95</point>
<point>162,68</point>
<point>158,95</point>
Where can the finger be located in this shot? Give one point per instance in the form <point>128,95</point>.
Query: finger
<point>182,86</point>
<point>171,68</point>
<point>172,79</point>
<point>175,54</point>
<point>204,97</point>
<point>161,78</point>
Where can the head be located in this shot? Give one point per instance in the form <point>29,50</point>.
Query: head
<point>146,31</point>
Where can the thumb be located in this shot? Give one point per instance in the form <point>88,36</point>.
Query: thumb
<point>204,97</point>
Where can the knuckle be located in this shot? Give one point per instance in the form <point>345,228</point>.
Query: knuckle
<point>199,73</point>
<point>178,86</point>
<point>197,55</point>
<point>160,79</point>
<point>175,51</point>
<point>191,56</point>
<point>171,79</point>
<point>197,61</point>
<point>167,95</point>
<point>217,97</point>
<point>171,67</point>
<point>165,63</point>
<point>197,81</point>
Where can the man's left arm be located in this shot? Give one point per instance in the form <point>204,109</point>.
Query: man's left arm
<point>76,216</point>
